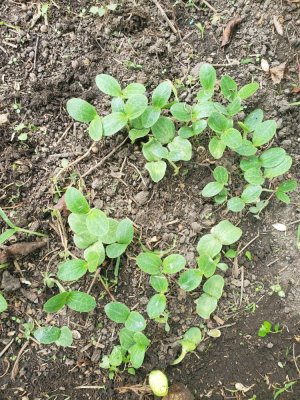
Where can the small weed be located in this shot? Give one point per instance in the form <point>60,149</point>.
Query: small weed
<point>266,329</point>
<point>285,388</point>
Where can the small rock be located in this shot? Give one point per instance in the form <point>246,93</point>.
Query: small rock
<point>178,391</point>
<point>44,28</point>
<point>9,283</point>
<point>141,197</point>
<point>3,119</point>
<point>270,345</point>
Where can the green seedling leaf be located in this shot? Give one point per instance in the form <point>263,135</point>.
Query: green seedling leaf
<point>125,231</point>
<point>116,356</point>
<point>133,89</point>
<point>251,193</point>
<point>81,302</point>
<point>115,250</point>
<point>235,204</point>
<point>203,110</point>
<point>159,283</point>
<point>254,176</point>
<point>180,149</point>
<point>199,127</point>
<point>226,233</point>
<point>47,335</point>
<point>135,322</point>
<point>265,328</point>
<point>186,132</point>
<point>212,189</point>
<point>150,116</point>
<point>77,223</point>
<point>117,312</point>
<point>113,123</point>
<point>216,147</point>
<point>206,305</point>
<point>221,175</point>
<point>3,303</point>
<point>76,202</point>
<point>137,355</point>
<point>248,90</point>
<point>218,123</point>
<point>234,107</point>
<point>190,280</point>
<point>272,157</point>
<point>72,270</point>
<point>153,150</point>
<point>254,119</point>
<point>281,196</point>
<point>223,266</point>
<point>141,339</point>
<point>149,263</point>
<point>232,138</point>
<point>209,245</point>
<point>6,235</point>
<point>126,338</point>
<point>251,162</point>
<point>287,186</point>
<point>221,197</point>
<point>81,110</point>
<point>173,264</point>
<point>161,94</point>
<point>135,106</point>
<point>111,236</point>
<point>228,87</point>
<point>164,130</point>
<point>117,105</point>
<point>231,253</point>
<point>97,222</point>
<point>96,128</point>
<point>189,342</point>
<point>108,85</point>
<point>280,169</point>
<point>156,169</point>
<point>135,134</point>
<point>206,264</point>
<point>182,112</point>
<point>56,302</point>
<point>65,338</point>
<point>207,77</point>
<point>94,256</point>
<point>264,132</point>
<point>156,305</point>
<point>214,286</point>
<point>82,242</point>
<point>246,149</point>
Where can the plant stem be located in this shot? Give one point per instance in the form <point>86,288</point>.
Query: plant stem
<point>30,232</point>
<point>176,169</point>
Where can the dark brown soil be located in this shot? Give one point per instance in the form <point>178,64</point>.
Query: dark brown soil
<point>41,68</point>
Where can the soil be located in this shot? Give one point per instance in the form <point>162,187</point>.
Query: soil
<point>42,66</point>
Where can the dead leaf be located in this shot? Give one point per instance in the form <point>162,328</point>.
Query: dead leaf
<point>277,73</point>
<point>179,392</point>
<point>241,388</point>
<point>20,249</point>
<point>62,206</point>
<point>296,90</point>
<point>227,34</point>
<point>280,227</point>
<point>278,25</point>
<point>3,119</point>
<point>265,65</point>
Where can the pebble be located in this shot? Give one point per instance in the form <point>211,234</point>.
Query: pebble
<point>44,29</point>
<point>9,283</point>
<point>141,197</point>
<point>270,345</point>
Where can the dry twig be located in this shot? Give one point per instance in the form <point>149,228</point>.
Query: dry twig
<point>162,11</point>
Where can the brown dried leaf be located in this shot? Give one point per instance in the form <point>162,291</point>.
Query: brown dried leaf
<point>278,25</point>
<point>227,34</point>
<point>21,249</point>
<point>277,73</point>
<point>62,206</point>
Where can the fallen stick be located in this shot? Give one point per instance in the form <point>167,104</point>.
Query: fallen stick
<point>162,11</point>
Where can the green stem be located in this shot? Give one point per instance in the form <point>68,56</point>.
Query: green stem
<point>180,358</point>
<point>176,169</point>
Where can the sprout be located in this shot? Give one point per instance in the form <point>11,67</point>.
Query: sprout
<point>158,382</point>
<point>190,341</point>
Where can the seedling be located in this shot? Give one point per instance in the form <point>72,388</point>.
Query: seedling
<point>20,128</point>
<point>52,334</point>
<point>209,248</point>
<point>285,388</point>
<point>92,231</point>
<point>266,329</point>
<point>75,300</point>
<point>278,289</point>
<point>14,229</point>
<point>201,29</point>
<point>102,10</point>
<point>3,303</point>
<point>191,339</point>
<point>133,343</point>
<point>153,264</point>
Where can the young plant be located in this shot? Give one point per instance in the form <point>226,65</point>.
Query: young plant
<point>153,264</point>
<point>52,334</point>
<point>266,329</point>
<point>133,343</point>
<point>93,230</point>
<point>75,300</point>
<point>209,248</point>
<point>3,303</point>
<point>14,229</point>
<point>191,339</point>
<point>102,10</point>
